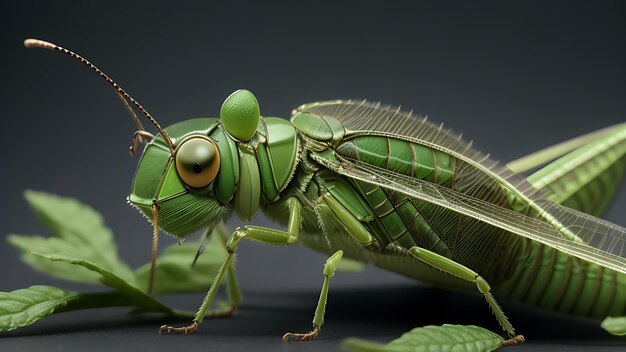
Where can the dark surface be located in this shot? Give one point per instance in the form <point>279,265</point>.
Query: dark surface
<point>381,313</point>
<point>513,77</point>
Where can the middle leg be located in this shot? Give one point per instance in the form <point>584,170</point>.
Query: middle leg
<point>318,318</point>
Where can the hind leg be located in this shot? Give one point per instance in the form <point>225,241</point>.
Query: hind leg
<point>453,268</point>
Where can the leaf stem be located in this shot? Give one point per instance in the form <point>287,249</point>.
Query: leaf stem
<point>112,299</point>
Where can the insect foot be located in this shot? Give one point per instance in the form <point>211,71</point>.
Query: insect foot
<point>518,339</point>
<point>303,337</point>
<point>183,330</point>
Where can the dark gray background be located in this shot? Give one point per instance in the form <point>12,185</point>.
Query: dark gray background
<point>514,77</point>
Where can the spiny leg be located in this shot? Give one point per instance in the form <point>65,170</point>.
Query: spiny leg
<point>232,283</point>
<point>318,318</point>
<point>453,268</point>
<point>188,329</point>
<point>255,233</point>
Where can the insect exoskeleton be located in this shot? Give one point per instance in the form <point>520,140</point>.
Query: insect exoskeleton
<point>389,189</point>
<point>199,178</point>
<point>215,167</point>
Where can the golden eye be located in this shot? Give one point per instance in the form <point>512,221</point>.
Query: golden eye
<point>197,161</point>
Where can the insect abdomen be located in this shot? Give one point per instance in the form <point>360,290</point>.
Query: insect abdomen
<point>486,249</point>
<point>553,280</point>
<point>401,156</point>
<point>399,220</point>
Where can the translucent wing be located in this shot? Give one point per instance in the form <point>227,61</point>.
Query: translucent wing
<point>608,247</point>
<point>363,117</point>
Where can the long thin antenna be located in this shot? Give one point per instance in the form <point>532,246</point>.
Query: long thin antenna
<point>29,43</point>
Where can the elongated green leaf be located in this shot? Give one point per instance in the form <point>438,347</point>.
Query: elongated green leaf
<point>61,270</point>
<point>81,226</point>
<point>138,297</point>
<point>27,306</point>
<point>457,338</point>
<point>174,273</point>
<point>24,307</point>
<point>615,326</point>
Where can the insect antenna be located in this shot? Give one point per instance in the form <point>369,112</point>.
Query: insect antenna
<point>29,43</point>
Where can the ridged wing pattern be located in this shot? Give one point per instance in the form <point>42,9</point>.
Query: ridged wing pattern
<point>363,118</point>
<point>477,196</point>
<point>487,249</point>
<point>482,174</point>
<point>601,234</point>
<point>585,226</point>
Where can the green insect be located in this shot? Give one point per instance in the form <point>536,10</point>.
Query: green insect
<point>381,186</point>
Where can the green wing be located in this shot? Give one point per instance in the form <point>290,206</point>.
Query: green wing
<point>605,243</point>
<point>584,173</point>
<point>572,232</point>
<point>363,118</point>
<point>543,156</point>
<point>476,175</point>
<point>587,177</point>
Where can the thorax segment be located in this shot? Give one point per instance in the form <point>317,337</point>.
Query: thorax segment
<point>266,165</point>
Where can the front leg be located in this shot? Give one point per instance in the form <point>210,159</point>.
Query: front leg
<point>255,233</point>
<point>232,284</point>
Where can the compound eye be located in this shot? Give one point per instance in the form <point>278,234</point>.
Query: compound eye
<point>197,161</point>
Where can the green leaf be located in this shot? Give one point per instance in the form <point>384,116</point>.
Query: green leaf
<point>26,306</point>
<point>27,244</point>
<point>79,226</point>
<point>457,338</point>
<point>82,249</point>
<point>137,297</point>
<point>174,273</point>
<point>615,325</point>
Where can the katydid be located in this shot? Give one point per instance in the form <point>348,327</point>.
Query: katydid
<point>379,185</point>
